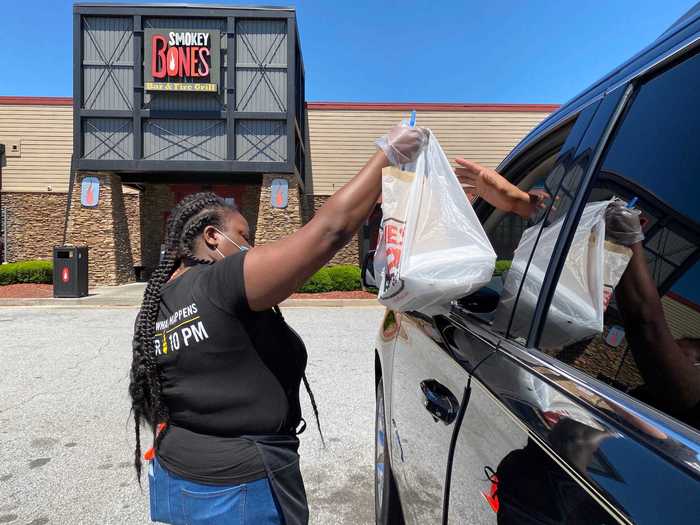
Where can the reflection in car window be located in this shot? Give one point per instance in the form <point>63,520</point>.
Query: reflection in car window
<point>505,231</point>
<point>640,312</point>
<point>533,252</point>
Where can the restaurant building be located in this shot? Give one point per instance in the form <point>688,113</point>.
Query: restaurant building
<point>171,100</point>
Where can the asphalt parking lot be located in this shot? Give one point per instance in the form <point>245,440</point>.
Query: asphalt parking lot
<point>66,449</point>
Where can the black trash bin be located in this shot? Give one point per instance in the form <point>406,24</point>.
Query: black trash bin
<point>70,271</point>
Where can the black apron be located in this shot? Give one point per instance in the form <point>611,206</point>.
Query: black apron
<point>280,456</point>
<point>279,452</point>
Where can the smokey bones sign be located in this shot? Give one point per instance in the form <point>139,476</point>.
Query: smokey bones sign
<point>181,60</point>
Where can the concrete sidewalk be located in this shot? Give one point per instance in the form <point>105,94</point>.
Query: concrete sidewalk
<point>130,295</point>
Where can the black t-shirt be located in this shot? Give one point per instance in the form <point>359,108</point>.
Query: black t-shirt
<point>226,371</point>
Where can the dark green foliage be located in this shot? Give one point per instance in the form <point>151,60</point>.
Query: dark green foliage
<point>319,282</point>
<point>342,278</point>
<point>345,278</point>
<point>26,272</point>
<point>502,266</point>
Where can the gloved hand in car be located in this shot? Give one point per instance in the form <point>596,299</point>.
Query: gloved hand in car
<point>622,224</point>
<point>403,144</point>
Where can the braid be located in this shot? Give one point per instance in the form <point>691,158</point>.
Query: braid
<point>187,221</point>
<point>314,408</point>
<point>192,229</point>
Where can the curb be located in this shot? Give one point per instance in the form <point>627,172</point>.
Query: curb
<point>94,303</point>
<point>330,303</point>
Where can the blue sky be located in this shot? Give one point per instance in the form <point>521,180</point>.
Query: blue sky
<point>532,51</point>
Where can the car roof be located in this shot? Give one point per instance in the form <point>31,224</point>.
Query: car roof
<point>683,32</point>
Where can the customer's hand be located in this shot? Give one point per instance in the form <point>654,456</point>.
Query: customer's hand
<point>622,224</point>
<point>402,144</point>
<point>495,189</point>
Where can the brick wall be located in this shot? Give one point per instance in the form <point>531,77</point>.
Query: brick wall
<point>132,207</point>
<point>34,224</point>
<point>275,223</point>
<point>127,230</point>
<point>250,207</point>
<point>104,230</point>
<point>350,253</point>
<point>156,201</point>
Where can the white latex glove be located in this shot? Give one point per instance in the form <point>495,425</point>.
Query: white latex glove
<point>622,224</point>
<point>402,144</point>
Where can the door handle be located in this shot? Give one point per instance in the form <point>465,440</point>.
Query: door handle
<point>439,401</point>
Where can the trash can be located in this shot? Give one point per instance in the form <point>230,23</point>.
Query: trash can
<point>70,271</point>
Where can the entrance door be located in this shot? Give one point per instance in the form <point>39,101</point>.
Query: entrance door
<point>231,193</point>
<point>226,191</point>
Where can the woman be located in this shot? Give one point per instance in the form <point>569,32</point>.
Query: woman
<point>216,372</point>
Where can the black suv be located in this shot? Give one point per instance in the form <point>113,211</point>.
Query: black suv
<point>534,420</point>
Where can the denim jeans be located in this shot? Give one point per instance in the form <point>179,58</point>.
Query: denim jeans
<point>178,501</point>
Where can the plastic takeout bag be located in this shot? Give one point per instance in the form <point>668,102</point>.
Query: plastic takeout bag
<point>432,248</point>
<point>592,269</point>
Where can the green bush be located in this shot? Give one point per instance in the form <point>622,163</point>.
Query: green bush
<point>26,272</point>
<point>333,279</point>
<point>319,282</point>
<point>345,278</point>
<point>502,266</point>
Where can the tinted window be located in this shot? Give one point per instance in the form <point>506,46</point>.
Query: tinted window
<point>628,312</point>
<point>506,230</point>
<point>516,239</point>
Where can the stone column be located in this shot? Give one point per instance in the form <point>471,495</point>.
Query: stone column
<point>104,230</point>
<point>156,201</point>
<point>132,205</point>
<point>275,223</point>
<point>250,207</point>
<point>34,224</point>
<point>348,254</point>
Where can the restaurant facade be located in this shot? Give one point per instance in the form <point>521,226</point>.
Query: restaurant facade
<point>173,100</point>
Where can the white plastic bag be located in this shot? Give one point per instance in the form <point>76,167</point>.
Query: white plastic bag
<point>432,248</point>
<point>592,269</point>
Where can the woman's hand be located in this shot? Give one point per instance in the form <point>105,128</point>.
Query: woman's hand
<point>402,144</point>
<point>495,189</point>
<point>622,224</point>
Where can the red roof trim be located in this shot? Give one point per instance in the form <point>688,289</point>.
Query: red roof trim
<point>377,106</point>
<point>422,106</point>
<point>686,302</point>
<point>36,101</point>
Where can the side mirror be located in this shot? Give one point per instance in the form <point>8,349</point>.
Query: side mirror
<point>483,301</point>
<point>368,279</point>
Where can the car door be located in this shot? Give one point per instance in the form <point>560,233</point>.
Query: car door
<point>427,392</point>
<point>433,359</point>
<point>642,371</point>
<point>493,448</point>
<point>607,421</point>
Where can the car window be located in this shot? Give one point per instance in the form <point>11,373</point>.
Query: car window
<point>524,274</point>
<point>625,310</point>
<point>514,238</point>
<point>504,229</point>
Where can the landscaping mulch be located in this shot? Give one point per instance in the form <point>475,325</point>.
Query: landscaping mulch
<point>40,291</point>
<point>335,295</point>
<point>26,291</point>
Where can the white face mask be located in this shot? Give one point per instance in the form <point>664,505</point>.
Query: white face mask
<point>241,248</point>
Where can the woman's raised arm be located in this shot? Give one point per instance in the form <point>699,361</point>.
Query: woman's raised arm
<point>274,271</point>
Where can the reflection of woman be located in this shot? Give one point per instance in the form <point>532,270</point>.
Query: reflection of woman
<point>532,488</point>
<point>668,365</point>
<point>217,371</point>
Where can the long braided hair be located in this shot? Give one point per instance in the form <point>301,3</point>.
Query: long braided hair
<point>187,221</point>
